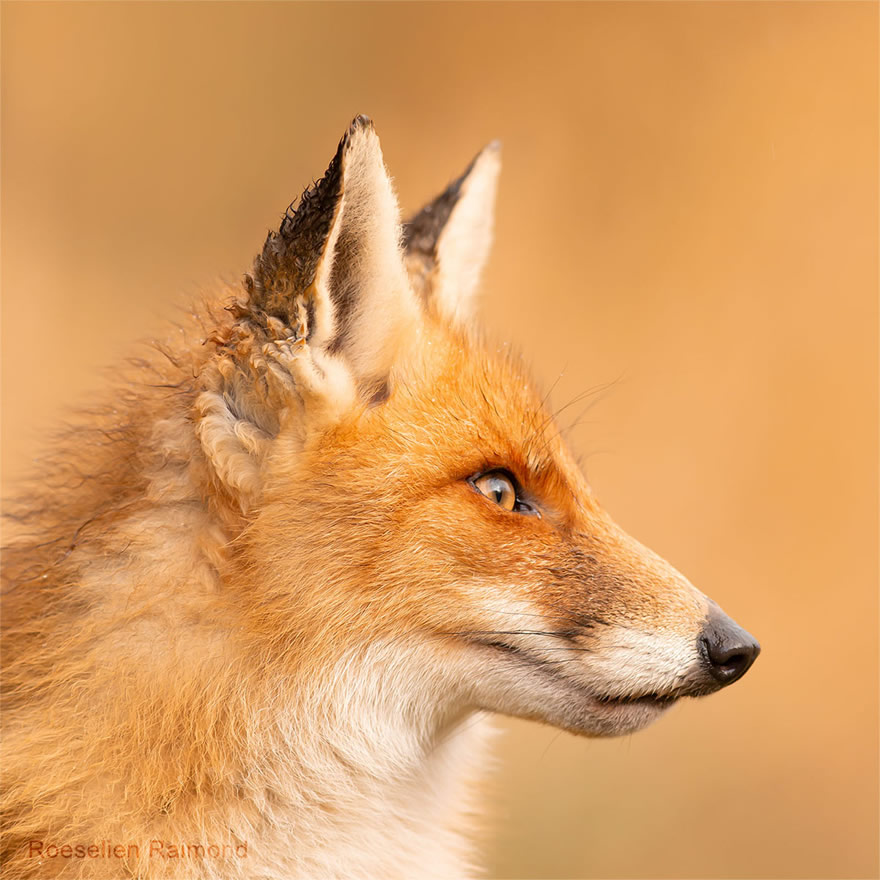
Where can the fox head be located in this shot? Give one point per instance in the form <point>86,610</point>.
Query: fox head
<point>405,494</point>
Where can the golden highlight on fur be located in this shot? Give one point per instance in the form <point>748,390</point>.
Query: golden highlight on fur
<point>258,609</point>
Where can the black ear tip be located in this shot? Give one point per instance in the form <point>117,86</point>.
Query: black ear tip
<point>360,123</point>
<point>491,154</point>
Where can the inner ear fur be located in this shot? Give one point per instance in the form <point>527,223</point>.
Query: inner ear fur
<point>447,243</point>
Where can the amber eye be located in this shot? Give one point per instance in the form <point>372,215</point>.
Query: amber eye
<point>498,487</point>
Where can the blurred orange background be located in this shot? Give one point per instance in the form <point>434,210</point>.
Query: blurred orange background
<point>688,209</point>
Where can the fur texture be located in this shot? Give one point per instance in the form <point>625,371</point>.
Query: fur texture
<point>260,599</point>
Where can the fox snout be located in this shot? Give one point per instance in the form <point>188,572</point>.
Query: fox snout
<point>726,648</point>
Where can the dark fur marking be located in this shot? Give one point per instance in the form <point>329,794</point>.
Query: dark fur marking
<point>380,394</point>
<point>287,266</point>
<point>421,233</point>
<point>342,292</point>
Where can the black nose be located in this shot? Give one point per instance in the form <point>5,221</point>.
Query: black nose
<point>727,648</point>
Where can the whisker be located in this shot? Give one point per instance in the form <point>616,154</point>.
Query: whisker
<point>578,620</point>
<point>544,753</point>
<point>548,419</point>
<point>504,632</point>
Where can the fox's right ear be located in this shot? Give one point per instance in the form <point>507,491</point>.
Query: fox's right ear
<point>447,243</point>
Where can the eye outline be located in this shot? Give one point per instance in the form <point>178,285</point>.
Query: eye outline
<point>520,505</point>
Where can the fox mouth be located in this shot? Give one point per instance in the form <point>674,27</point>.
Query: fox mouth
<point>653,699</point>
<point>593,712</point>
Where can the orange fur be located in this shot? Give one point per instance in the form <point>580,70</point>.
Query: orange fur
<point>257,599</point>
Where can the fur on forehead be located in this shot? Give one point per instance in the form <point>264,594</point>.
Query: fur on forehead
<point>479,396</point>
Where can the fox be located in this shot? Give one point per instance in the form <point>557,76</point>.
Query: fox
<point>263,601</point>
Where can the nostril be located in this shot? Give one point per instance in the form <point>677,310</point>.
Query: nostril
<point>734,663</point>
<point>728,662</point>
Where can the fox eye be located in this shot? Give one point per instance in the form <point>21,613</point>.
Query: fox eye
<point>500,487</point>
<point>497,487</point>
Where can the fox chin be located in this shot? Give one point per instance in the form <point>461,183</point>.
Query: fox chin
<point>268,596</point>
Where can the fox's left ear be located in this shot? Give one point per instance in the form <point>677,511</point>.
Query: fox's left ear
<point>327,311</point>
<point>334,272</point>
<point>447,242</point>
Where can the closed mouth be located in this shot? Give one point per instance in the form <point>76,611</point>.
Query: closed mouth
<point>658,700</point>
<point>651,701</point>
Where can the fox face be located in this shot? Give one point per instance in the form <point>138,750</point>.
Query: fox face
<point>406,493</point>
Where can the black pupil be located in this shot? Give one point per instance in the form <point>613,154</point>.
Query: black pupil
<point>499,489</point>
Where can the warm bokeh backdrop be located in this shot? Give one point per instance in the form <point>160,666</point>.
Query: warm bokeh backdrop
<point>688,209</point>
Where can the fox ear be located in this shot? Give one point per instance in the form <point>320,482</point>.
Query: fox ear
<point>327,309</point>
<point>447,242</point>
<point>334,271</point>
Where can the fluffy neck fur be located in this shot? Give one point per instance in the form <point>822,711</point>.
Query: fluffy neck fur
<point>140,686</point>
